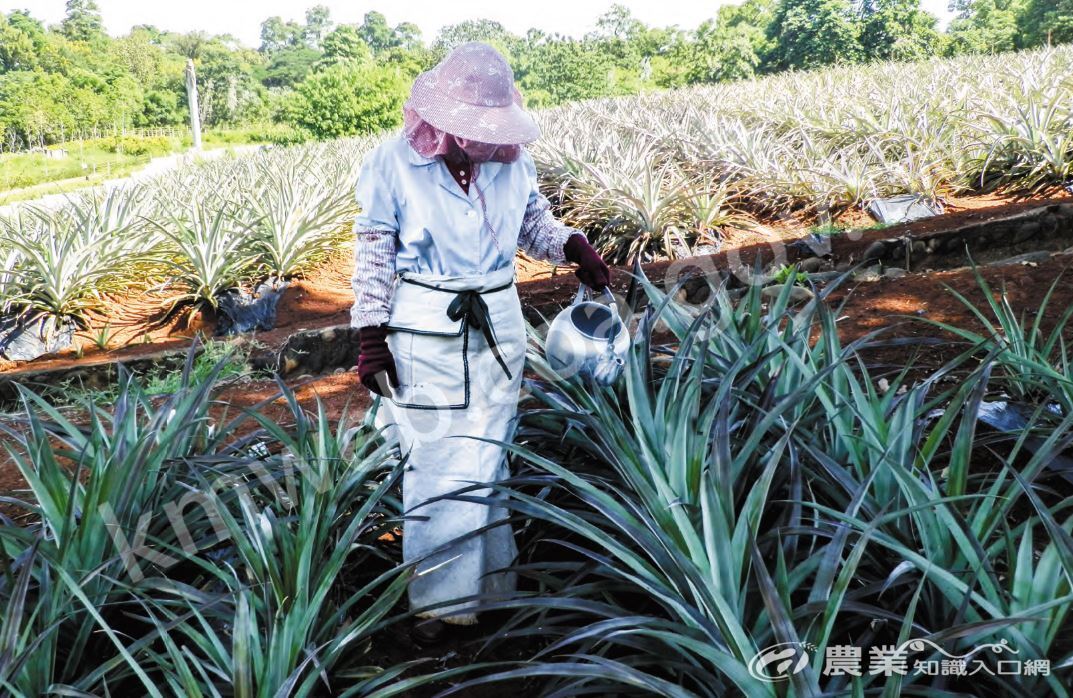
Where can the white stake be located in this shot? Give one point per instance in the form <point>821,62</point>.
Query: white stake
<point>191,98</point>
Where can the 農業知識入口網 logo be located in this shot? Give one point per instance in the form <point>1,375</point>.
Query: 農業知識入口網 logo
<point>912,657</point>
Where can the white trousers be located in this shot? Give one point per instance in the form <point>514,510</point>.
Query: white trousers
<point>453,398</point>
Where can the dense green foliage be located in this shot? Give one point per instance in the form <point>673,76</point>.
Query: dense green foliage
<point>232,590</point>
<point>761,482</point>
<point>1052,19</point>
<point>348,99</point>
<point>755,482</point>
<point>811,33</point>
<point>73,79</point>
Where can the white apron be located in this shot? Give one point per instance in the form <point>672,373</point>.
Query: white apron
<point>452,388</point>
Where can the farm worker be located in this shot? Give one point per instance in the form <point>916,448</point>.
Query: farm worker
<point>444,208</point>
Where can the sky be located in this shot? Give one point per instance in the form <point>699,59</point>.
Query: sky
<point>243,18</point>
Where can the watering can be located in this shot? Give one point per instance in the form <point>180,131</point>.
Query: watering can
<point>588,339</point>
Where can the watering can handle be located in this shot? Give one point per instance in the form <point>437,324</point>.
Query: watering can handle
<point>583,293</point>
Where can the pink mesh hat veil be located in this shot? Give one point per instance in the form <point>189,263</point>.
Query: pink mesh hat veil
<point>469,101</point>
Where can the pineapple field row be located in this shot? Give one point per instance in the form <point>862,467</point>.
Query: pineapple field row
<point>662,174</point>
<point>823,486</point>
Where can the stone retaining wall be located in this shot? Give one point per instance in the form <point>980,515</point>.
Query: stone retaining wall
<point>1044,229</point>
<point>306,352</point>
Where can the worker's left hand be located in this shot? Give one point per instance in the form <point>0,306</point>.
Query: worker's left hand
<point>592,269</point>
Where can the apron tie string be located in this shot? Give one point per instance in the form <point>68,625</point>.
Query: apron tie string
<point>470,306</point>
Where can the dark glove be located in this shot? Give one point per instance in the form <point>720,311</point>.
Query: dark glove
<point>376,365</point>
<point>592,269</point>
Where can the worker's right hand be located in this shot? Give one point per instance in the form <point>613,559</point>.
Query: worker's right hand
<point>376,365</point>
<point>592,269</point>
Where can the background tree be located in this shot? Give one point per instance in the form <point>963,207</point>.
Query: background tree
<point>22,42</point>
<point>984,26</point>
<point>621,36</point>
<point>1046,22</point>
<point>277,35</point>
<point>344,43</point>
<point>347,100</point>
<point>640,54</point>
<point>897,29</point>
<point>560,70</point>
<point>407,62</point>
<point>485,30</point>
<point>161,108</point>
<point>318,24</point>
<point>288,67</point>
<point>138,55</point>
<point>720,54</point>
<point>813,33</point>
<point>229,91</point>
<point>733,46</point>
<point>156,36</point>
<point>190,45</point>
<point>376,33</point>
<point>82,21</point>
<point>408,36</point>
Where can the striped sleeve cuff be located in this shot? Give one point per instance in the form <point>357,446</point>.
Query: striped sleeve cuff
<point>542,236</point>
<point>374,277</point>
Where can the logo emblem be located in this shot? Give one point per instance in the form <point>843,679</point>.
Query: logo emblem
<point>780,662</point>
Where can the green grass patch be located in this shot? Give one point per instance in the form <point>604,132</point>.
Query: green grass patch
<point>826,230</point>
<point>84,163</point>
<point>267,133</point>
<point>225,359</point>
<point>220,360</point>
<point>790,274</point>
<point>91,161</point>
<point>831,229</point>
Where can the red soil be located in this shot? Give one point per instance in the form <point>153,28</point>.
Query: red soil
<point>135,324</point>
<point>324,297</point>
<point>898,305</point>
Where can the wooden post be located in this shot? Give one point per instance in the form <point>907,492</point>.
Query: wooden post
<point>191,98</point>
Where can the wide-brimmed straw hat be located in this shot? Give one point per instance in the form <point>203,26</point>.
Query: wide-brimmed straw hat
<point>471,94</point>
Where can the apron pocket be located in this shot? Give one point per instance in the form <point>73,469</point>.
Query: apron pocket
<point>433,370</point>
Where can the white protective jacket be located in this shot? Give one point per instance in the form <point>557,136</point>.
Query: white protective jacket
<point>437,267</point>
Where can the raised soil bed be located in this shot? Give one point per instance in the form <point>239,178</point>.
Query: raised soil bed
<point>1028,233</point>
